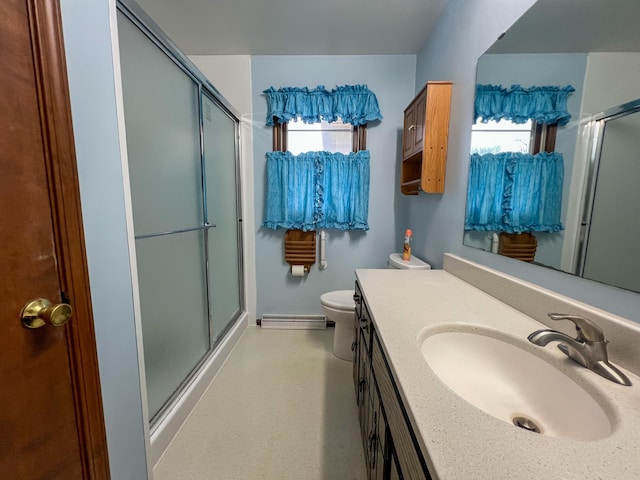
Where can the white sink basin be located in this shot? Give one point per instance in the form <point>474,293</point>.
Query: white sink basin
<point>510,383</point>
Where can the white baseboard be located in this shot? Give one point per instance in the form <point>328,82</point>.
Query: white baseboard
<point>294,322</point>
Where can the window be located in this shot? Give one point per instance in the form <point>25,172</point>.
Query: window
<point>325,162</point>
<point>319,177</point>
<point>501,136</point>
<point>507,136</point>
<point>319,137</point>
<point>298,137</point>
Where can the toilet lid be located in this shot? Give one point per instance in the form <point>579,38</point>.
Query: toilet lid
<point>339,299</point>
<point>414,263</point>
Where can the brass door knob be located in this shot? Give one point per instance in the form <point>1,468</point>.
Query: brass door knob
<point>39,312</point>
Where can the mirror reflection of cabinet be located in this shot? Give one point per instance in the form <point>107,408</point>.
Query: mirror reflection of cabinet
<point>424,140</point>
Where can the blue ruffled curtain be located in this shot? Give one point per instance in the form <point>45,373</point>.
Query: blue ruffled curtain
<point>354,104</point>
<point>515,192</point>
<point>316,190</point>
<point>543,104</point>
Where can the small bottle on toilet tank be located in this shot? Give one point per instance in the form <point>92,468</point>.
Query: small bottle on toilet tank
<point>406,250</point>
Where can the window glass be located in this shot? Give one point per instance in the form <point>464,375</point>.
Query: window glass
<point>319,137</point>
<point>502,136</point>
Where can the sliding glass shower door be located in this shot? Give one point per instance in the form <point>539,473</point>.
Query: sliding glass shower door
<point>220,144</point>
<point>612,228</point>
<point>183,167</point>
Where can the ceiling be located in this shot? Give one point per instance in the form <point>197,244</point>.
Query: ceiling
<point>574,26</point>
<point>296,27</point>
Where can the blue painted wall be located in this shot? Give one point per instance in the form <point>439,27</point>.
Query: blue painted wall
<point>391,78</point>
<point>465,30</point>
<point>87,35</point>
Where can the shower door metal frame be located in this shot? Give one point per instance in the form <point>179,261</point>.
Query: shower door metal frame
<point>214,340</point>
<point>597,128</point>
<point>153,32</point>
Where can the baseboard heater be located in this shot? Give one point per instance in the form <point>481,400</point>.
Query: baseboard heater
<point>294,322</point>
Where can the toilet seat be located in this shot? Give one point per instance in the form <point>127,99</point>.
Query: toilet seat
<point>339,300</point>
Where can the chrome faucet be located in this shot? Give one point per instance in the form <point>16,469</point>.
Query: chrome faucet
<point>589,348</point>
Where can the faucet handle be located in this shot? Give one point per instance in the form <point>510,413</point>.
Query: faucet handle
<point>588,331</point>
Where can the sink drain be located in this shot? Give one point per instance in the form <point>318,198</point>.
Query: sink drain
<point>526,423</point>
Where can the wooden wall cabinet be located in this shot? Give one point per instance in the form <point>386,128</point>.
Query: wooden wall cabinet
<point>390,447</point>
<point>424,140</point>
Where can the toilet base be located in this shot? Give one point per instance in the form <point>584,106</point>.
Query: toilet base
<point>343,338</point>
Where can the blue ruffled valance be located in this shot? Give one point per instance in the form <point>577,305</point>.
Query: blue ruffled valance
<point>354,104</point>
<point>515,192</point>
<point>545,105</point>
<point>317,190</point>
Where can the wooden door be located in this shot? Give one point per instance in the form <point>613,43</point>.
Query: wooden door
<point>51,424</point>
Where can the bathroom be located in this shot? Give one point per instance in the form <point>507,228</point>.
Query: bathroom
<point>461,34</point>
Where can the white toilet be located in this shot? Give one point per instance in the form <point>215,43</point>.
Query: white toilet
<point>339,306</point>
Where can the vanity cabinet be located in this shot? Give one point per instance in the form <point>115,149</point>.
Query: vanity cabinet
<point>390,447</point>
<point>424,140</point>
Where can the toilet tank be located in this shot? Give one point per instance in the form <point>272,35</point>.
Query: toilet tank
<point>396,261</point>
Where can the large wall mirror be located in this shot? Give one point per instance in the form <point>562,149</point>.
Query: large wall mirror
<point>594,47</point>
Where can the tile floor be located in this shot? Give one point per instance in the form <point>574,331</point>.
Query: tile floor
<point>281,407</point>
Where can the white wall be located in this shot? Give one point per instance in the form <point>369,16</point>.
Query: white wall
<point>465,30</point>
<point>88,43</point>
<point>611,80</point>
<point>391,78</point>
<point>231,75</point>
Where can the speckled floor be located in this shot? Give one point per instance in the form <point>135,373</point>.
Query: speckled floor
<point>281,407</point>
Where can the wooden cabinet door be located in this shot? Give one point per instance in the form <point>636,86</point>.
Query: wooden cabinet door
<point>413,135</point>
<point>394,472</point>
<point>51,424</point>
<point>377,465</point>
<point>409,132</point>
<point>420,110</point>
<point>409,456</point>
<point>364,403</point>
<point>356,355</point>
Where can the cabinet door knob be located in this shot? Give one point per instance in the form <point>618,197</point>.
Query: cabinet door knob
<point>412,127</point>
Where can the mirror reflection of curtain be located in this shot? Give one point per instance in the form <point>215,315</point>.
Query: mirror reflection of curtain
<point>543,104</point>
<point>515,192</point>
<point>612,244</point>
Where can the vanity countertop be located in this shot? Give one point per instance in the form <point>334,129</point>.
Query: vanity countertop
<point>460,441</point>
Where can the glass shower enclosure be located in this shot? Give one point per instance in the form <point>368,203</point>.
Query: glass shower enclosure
<point>182,143</point>
<point>610,223</point>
